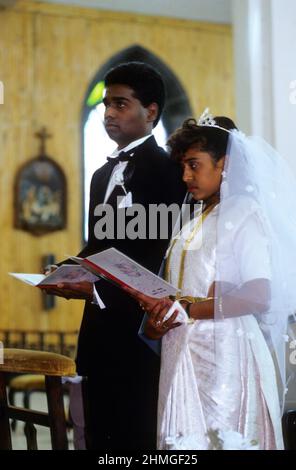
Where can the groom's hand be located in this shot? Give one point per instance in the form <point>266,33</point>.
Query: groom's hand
<point>72,290</point>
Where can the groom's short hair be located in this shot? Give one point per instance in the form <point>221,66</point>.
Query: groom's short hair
<point>143,79</point>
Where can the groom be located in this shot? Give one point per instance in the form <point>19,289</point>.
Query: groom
<point>122,372</point>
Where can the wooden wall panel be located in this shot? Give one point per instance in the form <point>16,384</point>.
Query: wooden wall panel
<point>48,56</point>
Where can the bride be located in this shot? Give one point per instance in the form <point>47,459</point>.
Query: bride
<point>222,338</point>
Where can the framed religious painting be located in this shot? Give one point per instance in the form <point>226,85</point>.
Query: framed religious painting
<point>40,196</point>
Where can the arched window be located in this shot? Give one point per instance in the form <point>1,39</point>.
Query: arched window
<point>96,143</point>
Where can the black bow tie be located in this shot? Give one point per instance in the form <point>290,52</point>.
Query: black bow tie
<point>122,157</point>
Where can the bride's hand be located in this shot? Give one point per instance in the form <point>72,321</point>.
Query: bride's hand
<point>155,326</point>
<point>156,310</point>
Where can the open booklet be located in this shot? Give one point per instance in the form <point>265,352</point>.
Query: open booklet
<point>65,273</point>
<point>118,268</point>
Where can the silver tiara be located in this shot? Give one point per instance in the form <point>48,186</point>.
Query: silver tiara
<point>207,119</point>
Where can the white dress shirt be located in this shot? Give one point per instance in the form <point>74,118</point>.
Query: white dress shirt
<point>118,170</point>
<point>117,178</point>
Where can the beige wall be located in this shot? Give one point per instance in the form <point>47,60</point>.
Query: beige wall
<point>48,56</point>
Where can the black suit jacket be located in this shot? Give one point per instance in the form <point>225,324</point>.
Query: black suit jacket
<point>108,339</point>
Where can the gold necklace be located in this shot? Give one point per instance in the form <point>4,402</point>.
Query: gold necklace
<point>197,227</point>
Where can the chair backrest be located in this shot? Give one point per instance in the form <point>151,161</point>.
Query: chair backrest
<point>53,367</point>
<point>60,342</point>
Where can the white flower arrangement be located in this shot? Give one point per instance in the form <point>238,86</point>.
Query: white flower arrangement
<point>230,440</point>
<point>181,442</point>
<point>218,440</point>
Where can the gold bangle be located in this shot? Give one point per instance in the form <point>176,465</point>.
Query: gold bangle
<point>191,300</point>
<point>203,299</point>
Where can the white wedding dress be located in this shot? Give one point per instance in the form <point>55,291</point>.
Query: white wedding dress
<point>217,376</point>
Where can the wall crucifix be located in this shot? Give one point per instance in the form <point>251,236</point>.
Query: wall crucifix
<point>40,192</point>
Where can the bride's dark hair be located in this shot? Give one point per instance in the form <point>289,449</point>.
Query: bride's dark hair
<point>205,139</point>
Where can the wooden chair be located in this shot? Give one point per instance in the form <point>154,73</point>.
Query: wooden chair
<point>53,367</point>
<point>26,384</point>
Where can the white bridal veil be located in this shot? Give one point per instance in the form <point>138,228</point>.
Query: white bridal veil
<point>256,246</point>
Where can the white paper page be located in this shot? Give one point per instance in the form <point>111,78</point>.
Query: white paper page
<point>69,273</point>
<point>132,273</point>
<point>32,279</point>
<point>64,273</point>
